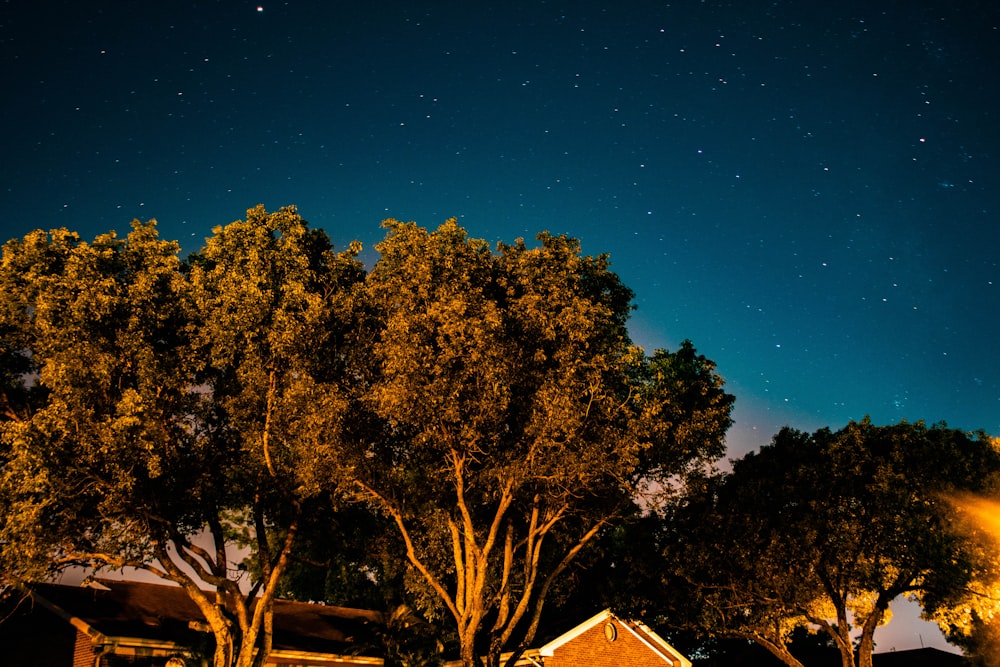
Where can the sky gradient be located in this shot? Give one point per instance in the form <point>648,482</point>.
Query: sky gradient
<point>808,191</point>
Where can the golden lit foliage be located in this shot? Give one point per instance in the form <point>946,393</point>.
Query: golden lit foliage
<point>970,616</point>
<point>518,418</point>
<point>149,401</point>
<point>489,402</point>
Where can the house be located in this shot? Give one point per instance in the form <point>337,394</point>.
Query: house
<point>119,623</point>
<point>919,657</point>
<point>604,640</point>
<point>136,624</point>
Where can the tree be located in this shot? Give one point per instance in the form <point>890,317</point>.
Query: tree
<point>824,530</point>
<point>968,615</point>
<point>156,409</point>
<point>511,419</point>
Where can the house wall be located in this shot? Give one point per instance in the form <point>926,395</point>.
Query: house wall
<point>594,649</point>
<point>83,651</point>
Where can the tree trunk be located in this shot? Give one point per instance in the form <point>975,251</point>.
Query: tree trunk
<point>248,651</point>
<point>266,637</point>
<point>467,650</point>
<point>846,657</point>
<point>223,656</point>
<point>841,631</point>
<point>867,643</point>
<point>846,648</point>
<point>780,652</point>
<point>225,649</point>
<point>865,649</point>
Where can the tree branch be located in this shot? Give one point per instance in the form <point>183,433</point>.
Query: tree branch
<point>411,552</point>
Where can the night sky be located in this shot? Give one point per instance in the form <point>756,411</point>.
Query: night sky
<point>807,190</point>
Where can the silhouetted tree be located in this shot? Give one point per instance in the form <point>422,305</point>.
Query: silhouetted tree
<point>825,530</point>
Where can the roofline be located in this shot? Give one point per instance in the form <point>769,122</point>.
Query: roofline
<point>78,623</point>
<point>547,650</point>
<point>668,652</point>
<point>165,647</point>
<point>282,654</point>
<point>653,641</point>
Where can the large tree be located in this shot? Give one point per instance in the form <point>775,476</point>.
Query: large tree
<point>511,419</point>
<point>825,530</point>
<point>156,412</point>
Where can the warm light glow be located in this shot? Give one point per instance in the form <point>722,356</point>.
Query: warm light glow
<point>981,517</point>
<point>983,512</point>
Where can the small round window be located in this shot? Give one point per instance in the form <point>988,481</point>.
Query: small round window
<point>611,632</point>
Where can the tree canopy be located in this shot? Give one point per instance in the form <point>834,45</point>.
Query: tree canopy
<point>824,530</point>
<point>162,414</point>
<point>512,419</point>
<point>156,409</point>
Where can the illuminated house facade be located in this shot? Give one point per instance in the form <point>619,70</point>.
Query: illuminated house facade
<point>604,640</point>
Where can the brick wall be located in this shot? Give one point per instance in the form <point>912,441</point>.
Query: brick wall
<point>594,649</point>
<point>83,651</point>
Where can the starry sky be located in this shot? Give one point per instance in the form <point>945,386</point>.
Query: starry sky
<point>806,190</point>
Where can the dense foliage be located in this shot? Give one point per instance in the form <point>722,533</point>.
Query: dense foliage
<point>516,420</point>
<point>156,408</point>
<point>163,414</point>
<point>825,530</point>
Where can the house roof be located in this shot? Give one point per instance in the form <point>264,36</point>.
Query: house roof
<point>643,633</point>
<point>657,645</point>
<point>919,657</point>
<point>156,613</point>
